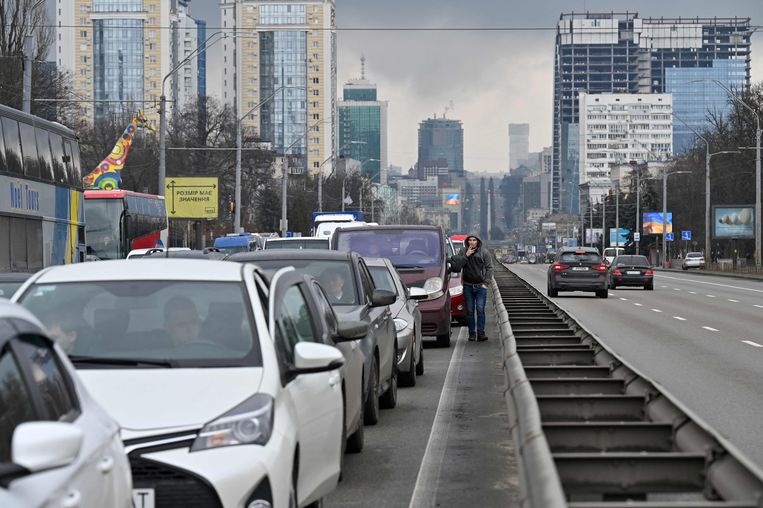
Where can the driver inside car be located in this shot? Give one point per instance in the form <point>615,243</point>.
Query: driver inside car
<point>181,320</point>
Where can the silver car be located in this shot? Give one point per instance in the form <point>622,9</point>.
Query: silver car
<point>693,260</point>
<point>407,316</point>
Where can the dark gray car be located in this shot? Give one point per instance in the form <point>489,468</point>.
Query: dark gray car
<point>578,269</point>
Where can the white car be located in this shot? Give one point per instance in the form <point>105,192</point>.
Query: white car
<point>224,394</point>
<point>58,447</point>
<point>139,253</point>
<point>693,260</point>
<point>610,253</point>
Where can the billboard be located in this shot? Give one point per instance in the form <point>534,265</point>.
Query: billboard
<point>653,223</point>
<point>734,222</point>
<point>618,242</point>
<point>191,197</point>
<point>597,234</point>
<point>453,199</point>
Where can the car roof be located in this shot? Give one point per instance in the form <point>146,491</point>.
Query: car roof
<point>576,249</point>
<point>405,227</point>
<point>316,254</point>
<point>297,238</point>
<point>376,261</point>
<point>188,254</point>
<point>146,269</point>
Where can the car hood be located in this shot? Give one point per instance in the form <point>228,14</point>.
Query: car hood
<point>153,399</point>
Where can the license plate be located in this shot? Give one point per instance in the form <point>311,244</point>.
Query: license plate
<point>631,272</point>
<point>143,498</point>
<point>580,268</point>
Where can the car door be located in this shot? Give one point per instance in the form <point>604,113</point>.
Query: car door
<point>317,398</point>
<point>382,325</point>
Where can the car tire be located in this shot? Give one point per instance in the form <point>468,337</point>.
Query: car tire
<point>649,287</point>
<point>552,292</point>
<point>602,293</point>
<point>420,364</point>
<point>443,340</point>
<point>612,285</point>
<point>293,499</point>
<point>356,440</point>
<point>389,399</point>
<point>371,408</point>
<point>684,268</point>
<point>409,378</point>
<point>318,503</point>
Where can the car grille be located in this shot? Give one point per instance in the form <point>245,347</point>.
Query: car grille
<point>427,328</point>
<point>172,487</point>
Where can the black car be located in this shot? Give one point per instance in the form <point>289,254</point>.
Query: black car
<point>578,269</point>
<point>358,300</point>
<point>629,270</point>
<point>10,282</point>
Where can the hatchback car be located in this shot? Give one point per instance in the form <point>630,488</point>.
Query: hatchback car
<point>58,447</point>
<point>405,311</point>
<point>577,269</point>
<point>693,260</point>
<point>628,270</point>
<point>224,393</point>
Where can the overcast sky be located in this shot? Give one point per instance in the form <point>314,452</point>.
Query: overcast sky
<point>493,77</point>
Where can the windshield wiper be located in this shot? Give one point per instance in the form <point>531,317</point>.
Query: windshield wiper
<point>129,362</point>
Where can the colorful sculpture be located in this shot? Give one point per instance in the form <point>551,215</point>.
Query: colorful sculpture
<point>108,174</point>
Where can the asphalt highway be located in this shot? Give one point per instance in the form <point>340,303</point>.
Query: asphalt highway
<point>447,443</point>
<point>700,337</point>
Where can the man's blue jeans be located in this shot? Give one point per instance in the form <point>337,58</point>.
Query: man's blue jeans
<point>475,296</point>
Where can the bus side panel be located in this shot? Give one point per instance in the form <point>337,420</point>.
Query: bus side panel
<point>59,236</point>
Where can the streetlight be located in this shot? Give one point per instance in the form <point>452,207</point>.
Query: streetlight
<point>665,175</point>
<point>758,134</point>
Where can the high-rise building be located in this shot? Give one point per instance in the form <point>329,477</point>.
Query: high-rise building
<point>622,53</point>
<point>546,160</point>
<point>363,127</point>
<point>286,88</point>
<point>442,138</point>
<point>519,144</point>
<point>618,128</point>
<point>118,53</point>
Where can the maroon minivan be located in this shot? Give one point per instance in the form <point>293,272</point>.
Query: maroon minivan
<point>420,256</point>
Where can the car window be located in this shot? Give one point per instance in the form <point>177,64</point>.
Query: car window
<point>574,257</point>
<point>412,247</point>
<point>631,261</point>
<point>382,278</point>
<point>325,308</point>
<point>295,323</point>
<point>8,288</point>
<point>367,281</point>
<point>694,255</point>
<point>15,401</point>
<point>53,385</point>
<point>335,277</point>
<point>185,323</point>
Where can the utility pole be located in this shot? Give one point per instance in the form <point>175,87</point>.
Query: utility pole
<point>27,84</point>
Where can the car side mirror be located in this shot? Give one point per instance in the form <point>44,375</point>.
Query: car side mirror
<point>43,445</point>
<point>351,330</point>
<point>417,293</point>
<point>312,358</point>
<point>382,297</point>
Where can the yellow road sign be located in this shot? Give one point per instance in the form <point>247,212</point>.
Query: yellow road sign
<point>191,197</point>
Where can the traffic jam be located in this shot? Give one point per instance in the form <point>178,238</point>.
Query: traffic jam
<point>238,375</point>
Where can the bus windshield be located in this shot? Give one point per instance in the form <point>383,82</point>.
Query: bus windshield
<point>103,226</point>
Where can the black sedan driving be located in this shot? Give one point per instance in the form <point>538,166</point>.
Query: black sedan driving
<point>630,270</point>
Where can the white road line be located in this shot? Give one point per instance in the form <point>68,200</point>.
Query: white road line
<point>710,328</point>
<point>663,286</point>
<point>624,299</point>
<point>692,292</point>
<point>732,300</point>
<point>656,310</point>
<point>679,318</point>
<point>712,283</point>
<point>428,479</point>
<point>638,304</point>
<point>759,306</point>
<point>753,344</point>
<point>710,296</point>
<point>676,289</point>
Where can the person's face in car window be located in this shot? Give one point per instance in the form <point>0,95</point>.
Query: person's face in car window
<point>334,286</point>
<point>181,320</point>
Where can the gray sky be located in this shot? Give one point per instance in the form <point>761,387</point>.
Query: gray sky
<point>493,78</point>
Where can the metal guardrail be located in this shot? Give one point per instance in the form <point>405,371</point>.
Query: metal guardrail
<point>592,431</point>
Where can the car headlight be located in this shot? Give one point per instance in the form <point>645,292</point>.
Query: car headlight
<point>400,324</point>
<point>251,422</point>
<point>433,285</point>
<point>456,290</point>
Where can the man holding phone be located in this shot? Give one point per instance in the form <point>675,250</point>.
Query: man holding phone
<point>477,265</point>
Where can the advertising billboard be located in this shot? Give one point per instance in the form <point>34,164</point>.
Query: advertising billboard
<point>734,222</point>
<point>453,199</point>
<point>618,242</point>
<point>653,223</point>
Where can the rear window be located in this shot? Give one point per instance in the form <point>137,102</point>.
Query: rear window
<point>694,255</point>
<point>573,257</point>
<point>632,261</point>
<point>297,244</point>
<point>405,248</point>
<point>612,252</point>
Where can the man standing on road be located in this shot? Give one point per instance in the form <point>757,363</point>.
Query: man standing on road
<point>477,266</point>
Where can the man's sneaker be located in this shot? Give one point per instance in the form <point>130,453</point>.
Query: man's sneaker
<point>472,336</point>
<point>481,336</point>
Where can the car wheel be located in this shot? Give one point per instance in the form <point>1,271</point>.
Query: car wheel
<point>389,398</point>
<point>552,292</point>
<point>371,410</point>
<point>420,364</point>
<point>684,268</point>
<point>409,378</point>
<point>356,441</point>
<point>318,503</point>
<point>602,293</point>
<point>649,287</point>
<point>612,285</point>
<point>443,340</point>
<point>293,503</point>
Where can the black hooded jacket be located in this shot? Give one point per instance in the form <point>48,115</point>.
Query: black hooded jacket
<point>477,268</point>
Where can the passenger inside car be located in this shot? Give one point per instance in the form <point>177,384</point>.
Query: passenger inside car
<point>181,320</point>
<point>333,283</point>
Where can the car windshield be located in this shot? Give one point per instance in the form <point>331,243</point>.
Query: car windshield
<point>335,277</point>
<point>382,278</point>
<point>405,248</point>
<point>180,324</point>
<point>8,288</point>
<point>576,257</point>
<point>297,244</point>
<point>631,261</point>
<point>103,227</point>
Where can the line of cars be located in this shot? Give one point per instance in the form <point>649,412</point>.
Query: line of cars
<point>239,384</point>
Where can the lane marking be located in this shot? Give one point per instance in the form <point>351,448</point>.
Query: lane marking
<point>638,304</point>
<point>656,310</point>
<point>663,286</point>
<point>732,300</point>
<point>428,479</point>
<point>623,299</point>
<point>753,344</point>
<point>693,292</point>
<point>676,289</point>
<point>759,306</point>
<point>679,318</point>
<point>712,283</point>
<point>710,328</point>
<point>710,296</point>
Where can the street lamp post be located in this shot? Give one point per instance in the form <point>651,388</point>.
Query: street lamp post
<point>665,175</point>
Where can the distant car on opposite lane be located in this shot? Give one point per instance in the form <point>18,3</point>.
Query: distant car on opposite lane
<point>577,269</point>
<point>693,260</point>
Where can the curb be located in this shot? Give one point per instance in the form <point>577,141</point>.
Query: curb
<point>711,274</point>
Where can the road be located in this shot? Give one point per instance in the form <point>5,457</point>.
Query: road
<point>447,443</point>
<point>698,336</point>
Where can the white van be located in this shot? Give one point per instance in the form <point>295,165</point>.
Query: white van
<point>326,229</point>
<point>611,253</point>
